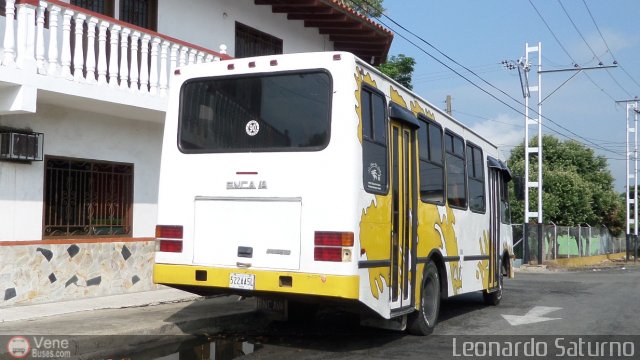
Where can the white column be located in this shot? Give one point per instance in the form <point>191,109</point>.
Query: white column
<point>192,56</point>
<point>91,49</point>
<point>135,36</point>
<point>124,58</point>
<point>183,56</point>
<point>153,75</point>
<point>26,36</point>
<point>164,74</point>
<point>9,52</point>
<point>144,63</point>
<point>78,51</point>
<point>53,40</point>
<point>200,58</point>
<point>209,58</point>
<point>102,52</point>
<point>173,58</point>
<point>113,55</point>
<point>65,56</point>
<point>42,6</point>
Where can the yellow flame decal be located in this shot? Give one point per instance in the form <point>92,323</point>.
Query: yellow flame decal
<point>375,232</point>
<point>417,109</point>
<point>483,265</point>
<point>375,227</point>
<point>396,97</point>
<point>509,250</point>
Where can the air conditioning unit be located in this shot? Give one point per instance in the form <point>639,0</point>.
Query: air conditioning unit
<point>21,146</point>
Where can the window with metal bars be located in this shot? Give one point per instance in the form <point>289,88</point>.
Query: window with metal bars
<point>143,13</point>
<point>87,198</point>
<point>252,42</point>
<point>104,7</point>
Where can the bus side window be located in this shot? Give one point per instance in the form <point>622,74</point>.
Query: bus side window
<point>475,171</point>
<point>431,162</point>
<point>456,171</point>
<point>374,142</point>
<point>505,210</point>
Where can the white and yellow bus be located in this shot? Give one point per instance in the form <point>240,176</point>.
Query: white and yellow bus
<point>314,177</point>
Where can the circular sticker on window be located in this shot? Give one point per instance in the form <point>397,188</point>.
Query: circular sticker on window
<point>252,128</point>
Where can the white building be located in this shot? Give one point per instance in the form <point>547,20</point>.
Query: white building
<point>81,126</point>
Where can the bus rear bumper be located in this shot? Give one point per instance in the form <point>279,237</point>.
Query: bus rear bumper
<point>266,281</point>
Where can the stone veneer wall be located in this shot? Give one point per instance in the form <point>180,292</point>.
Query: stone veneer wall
<point>49,271</point>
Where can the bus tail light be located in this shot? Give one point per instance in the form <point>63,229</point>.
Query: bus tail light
<point>170,246</point>
<point>169,231</point>
<point>169,238</point>
<point>333,246</point>
<point>333,238</point>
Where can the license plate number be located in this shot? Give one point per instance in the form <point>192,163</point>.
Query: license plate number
<point>242,281</point>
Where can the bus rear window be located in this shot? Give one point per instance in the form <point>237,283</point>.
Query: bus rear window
<point>256,113</point>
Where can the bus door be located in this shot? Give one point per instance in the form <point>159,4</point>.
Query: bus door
<point>495,184</point>
<point>404,215</point>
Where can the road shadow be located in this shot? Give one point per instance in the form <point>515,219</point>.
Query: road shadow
<point>225,328</point>
<point>460,305</point>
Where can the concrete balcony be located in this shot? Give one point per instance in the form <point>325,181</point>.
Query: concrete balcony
<point>57,53</point>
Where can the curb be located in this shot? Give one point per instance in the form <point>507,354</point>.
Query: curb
<point>144,298</point>
<point>585,261</point>
<point>181,323</point>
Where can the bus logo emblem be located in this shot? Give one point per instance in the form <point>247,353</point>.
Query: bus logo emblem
<point>252,128</point>
<point>375,171</point>
<point>246,185</point>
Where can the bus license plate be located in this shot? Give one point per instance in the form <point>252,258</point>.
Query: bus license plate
<point>242,281</point>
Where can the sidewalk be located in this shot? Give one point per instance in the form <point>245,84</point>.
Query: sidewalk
<point>158,312</point>
<point>99,327</point>
<point>144,298</point>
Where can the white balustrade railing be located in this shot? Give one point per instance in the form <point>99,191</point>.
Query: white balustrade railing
<point>117,55</point>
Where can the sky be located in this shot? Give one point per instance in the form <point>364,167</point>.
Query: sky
<point>480,34</point>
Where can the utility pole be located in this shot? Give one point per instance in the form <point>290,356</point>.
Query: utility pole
<point>524,66</point>
<point>631,198</point>
<point>533,150</point>
<point>448,108</point>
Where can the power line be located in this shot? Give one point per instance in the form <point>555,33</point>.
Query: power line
<point>479,77</point>
<point>591,49</point>
<point>575,63</point>
<point>615,61</point>
<point>579,32</point>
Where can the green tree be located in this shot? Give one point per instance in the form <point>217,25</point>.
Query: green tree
<point>400,69</point>
<point>372,8</point>
<point>577,186</point>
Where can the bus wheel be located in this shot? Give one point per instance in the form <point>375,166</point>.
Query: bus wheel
<point>493,298</point>
<point>423,321</point>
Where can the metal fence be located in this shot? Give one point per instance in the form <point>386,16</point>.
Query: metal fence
<point>561,242</point>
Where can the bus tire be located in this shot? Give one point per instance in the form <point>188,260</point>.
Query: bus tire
<point>493,298</point>
<point>423,321</point>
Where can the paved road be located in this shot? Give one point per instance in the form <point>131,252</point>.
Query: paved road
<point>584,303</point>
<point>603,302</point>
